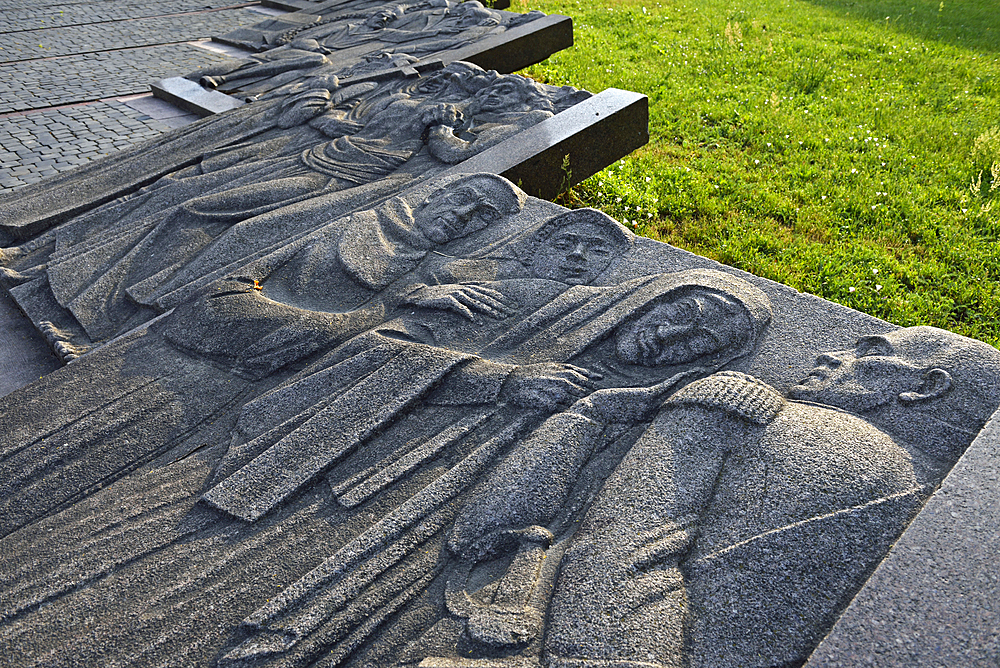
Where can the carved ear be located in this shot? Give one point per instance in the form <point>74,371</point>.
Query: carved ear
<point>935,383</point>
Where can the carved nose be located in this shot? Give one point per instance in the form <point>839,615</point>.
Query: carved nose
<point>668,332</point>
<point>579,251</point>
<point>826,359</point>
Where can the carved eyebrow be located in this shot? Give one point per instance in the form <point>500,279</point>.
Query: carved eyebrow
<point>874,345</point>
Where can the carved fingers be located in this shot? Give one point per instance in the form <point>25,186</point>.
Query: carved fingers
<point>548,385</point>
<point>629,404</point>
<point>441,114</point>
<point>465,300</point>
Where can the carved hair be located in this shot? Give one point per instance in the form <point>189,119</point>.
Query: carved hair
<point>508,198</point>
<point>614,232</point>
<point>537,96</point>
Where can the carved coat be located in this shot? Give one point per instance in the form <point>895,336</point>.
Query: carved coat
<point>739,524</point>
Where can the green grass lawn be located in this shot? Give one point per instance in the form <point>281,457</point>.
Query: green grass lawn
<point>842,147</point>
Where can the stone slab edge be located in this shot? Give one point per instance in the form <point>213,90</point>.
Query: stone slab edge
<point>519,47</point>
<point>190,96</point>
<point>562,151</point>
<point>306,5</point>
<point>933,601</point>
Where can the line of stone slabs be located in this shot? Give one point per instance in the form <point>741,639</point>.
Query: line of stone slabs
<point>799,341</point>
<point>958,512</point>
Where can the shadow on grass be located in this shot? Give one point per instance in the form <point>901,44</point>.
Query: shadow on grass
<point>970,24</point>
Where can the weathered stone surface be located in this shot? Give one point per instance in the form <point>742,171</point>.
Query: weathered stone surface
<point>24,356</point>
<point>264,175</point>
<point>566,149</point>
<point>933,601</point>
<point>470,428</point>
<point>336,37</point>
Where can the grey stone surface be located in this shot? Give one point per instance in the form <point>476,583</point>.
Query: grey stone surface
<point>317,153</point>
<point>332,36</point>
<point>933,601</point>
<point>566,149</point>
<point>37,84</point>
<point>25,355</point>
<point>38,16</point>
<point>469,428</point>
<point>191,97</point>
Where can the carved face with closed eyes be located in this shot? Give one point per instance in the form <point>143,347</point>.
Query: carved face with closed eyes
<point>687,327</point>
<point>465,206</point>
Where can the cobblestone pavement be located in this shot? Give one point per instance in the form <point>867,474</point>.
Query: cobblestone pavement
<point>34,84</point>
<point>44,143</point>
<point>85,39</point>
<point>37,16</point>
<point>64,66</point>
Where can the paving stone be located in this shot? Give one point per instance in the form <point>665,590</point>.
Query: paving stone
<point>44,15</point>
<point>20,164</point>
<point>49,42</point>
<point>108,74</point>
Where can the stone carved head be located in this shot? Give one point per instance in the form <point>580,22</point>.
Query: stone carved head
<point>511,93</point>
<point>383,17</point>
<point>683,327</point>
<point>456,82</point>
<point>466,205</point>
<point>662,320</point>
<point>914,383</point>
<point>575,247</point>
<point>472,13</point>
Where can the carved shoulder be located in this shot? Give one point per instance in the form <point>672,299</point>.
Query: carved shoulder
<point>735,393</point>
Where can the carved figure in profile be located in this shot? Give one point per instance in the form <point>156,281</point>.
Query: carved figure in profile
<point>298,55</point>
<point>742,522</point>
<point>238,334</point>
<point>337,269</point>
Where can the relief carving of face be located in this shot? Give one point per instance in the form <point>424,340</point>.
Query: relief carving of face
<point>880,369</point>
<point>458,210</point>
<point>505,95</point>
<point>575,254</point>
<point>379,20</point>
<point>681,330</point>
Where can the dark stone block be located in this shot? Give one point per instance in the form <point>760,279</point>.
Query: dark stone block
<point>569,147</point>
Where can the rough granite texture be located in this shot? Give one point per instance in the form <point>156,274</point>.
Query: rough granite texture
<point>330,400</point>
<point>933,601</point>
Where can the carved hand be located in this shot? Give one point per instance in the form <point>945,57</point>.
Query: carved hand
<point>547,385</point>
<point>441,114</point>
<point>465,300</point>
<point>629,404</point>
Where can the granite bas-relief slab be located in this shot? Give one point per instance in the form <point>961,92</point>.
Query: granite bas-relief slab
<point>465,427</point>
<point>427,26</point>
<point>301,45</point>
<point>263,176</point>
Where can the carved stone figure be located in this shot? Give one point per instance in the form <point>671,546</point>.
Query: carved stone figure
<point>741,522</point>
<point>237,327</point>
<point>645,329</point>
<point>297,55</point>
<point>419,30</point>
<point>109,267</point>
<point>336,269</point>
